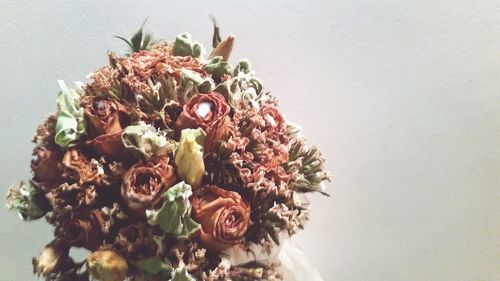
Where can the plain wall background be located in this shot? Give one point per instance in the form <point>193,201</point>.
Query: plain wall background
<point>401,96</point>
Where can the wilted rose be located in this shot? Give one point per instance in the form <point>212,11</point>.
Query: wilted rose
<point>51,257</point>
<point>77,166</point>
<point>208,112</point>
<point>106,120</point>
<point>144,184</point>
<point>84,229</point>
<point>45,132</point>
<point>224,217</point>
<point>46,166</point>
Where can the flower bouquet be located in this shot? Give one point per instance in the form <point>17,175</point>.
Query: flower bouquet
<point>168,165</point>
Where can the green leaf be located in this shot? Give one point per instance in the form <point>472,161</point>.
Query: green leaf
<point>28,200</point>
<point>144,141</point>
<point>243,66</point>
<point>202,85</point>
<point>244,71</point>
<point>184,46</point>
<point>147,40</point>
<point>174,216</point>
<point>126,41</point>
<point>70,125</point>
<point>140,40</point>
<point>137,39</point>
<point>218,68</point>
<point>181,274</point>
<point>216,39</point>
<point>243,86</point>
<point>154,265</point>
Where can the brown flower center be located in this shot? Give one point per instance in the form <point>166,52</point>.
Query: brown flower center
<point>75,234</point>
<point>101,108</point>
<point>232,220</point>
<point>147,183</point>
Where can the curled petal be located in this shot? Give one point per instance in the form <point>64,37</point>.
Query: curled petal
<point>109,145</point>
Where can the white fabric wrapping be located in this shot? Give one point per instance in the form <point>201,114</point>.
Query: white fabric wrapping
<point>294,264</point>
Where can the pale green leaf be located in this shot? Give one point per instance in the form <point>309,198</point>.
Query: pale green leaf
<point>29,201</point>
<point>185,46</point>
<point>144,141</point>
<point>218,68</point>
<point>174,215</point>
<point>154,265</point>
<point>203,85</point>
<point>70,125</point>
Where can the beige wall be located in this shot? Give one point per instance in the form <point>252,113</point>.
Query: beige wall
<point>402,96</point>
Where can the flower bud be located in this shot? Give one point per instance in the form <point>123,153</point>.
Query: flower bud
<point>223,49</point>
<point>107,265</point>
<point>189,156</point>
<point>51,257</point>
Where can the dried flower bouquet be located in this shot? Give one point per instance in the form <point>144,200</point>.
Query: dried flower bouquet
<point>162,163</point>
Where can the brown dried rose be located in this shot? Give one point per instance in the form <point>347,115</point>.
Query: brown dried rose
<point>106,120</point>
<point>104,116</point>
<point>84,229</point>
<point>77,166</point>
<point>209,112</point>
<point>224,217</point>
<point>144,184</point>
<point>45,132</point>
<point>51,257</point>
<point>46,166</point>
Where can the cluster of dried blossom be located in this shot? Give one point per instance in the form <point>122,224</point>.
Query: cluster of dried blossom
<point>161,118</point>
